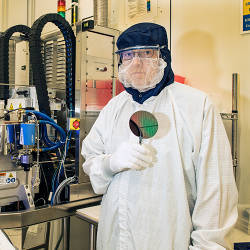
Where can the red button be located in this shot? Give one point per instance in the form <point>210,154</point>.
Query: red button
<point>76,124</point>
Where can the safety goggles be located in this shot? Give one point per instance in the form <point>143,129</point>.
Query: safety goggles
<point>125,56</point>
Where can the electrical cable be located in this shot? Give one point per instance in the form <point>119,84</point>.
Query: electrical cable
<point>40,115</point>
<point>45,137</point>
<point>46,183</point>
<point>62,135</point>
<point>64,156</point>
<point>9,111</point>
<point>60,168</point>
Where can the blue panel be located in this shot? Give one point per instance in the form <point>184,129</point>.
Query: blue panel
<point>242,246</point>
<point>246,22</point>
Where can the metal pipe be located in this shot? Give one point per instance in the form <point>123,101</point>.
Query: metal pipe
<point>235,92</point>
<point>92,236</point>
<point>66,224</point>
<point>235,121</point>
<point>27,17</point>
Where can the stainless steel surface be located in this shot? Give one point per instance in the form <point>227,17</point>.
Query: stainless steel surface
<point>234,117</point>
<point>66,225</point>
<point>81,191</point>
<point>92,236</point>
<point>7,165</point>
<point>91,56</point>
<point>43,214</point>
<point>79,234</point>
<point>229,116</point>
<point>55,62</point>
<point>235,121</point>
<point>87,120</point>
<point>91,216</point>
<point>12,191</point>
<point>235,92</point>
<point>101,12</point>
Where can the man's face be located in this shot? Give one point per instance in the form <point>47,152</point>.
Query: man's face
<point>141,65</point>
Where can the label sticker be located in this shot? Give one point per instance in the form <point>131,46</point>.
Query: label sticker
<point>74,124</point>
<point>7,178</point>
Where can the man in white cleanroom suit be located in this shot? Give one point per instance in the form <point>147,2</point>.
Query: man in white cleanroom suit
<point>176,190</point>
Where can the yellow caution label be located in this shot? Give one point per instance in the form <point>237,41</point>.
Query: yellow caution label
<point>10,175</point>
<point>74,124</point>
<point>246,7</point>
<point>11,106</point>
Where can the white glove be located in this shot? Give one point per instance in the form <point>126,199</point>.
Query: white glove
<point>132,156</point>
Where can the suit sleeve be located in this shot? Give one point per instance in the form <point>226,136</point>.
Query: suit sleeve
<point>215,210</point>
<point>96,164</point>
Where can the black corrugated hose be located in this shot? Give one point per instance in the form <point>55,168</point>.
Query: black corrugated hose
<point>38,70</point>
<point>4,57</point>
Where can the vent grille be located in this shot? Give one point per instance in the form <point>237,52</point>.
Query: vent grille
<point>54,57</point>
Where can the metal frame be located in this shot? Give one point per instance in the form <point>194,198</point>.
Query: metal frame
<point>87,118</point>
<point>44,214</point>
<point>234,118</point>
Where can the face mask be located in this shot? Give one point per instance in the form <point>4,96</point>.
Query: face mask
<point>142,73</point>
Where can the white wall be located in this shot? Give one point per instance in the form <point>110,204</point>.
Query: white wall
<point>2,16</point>
<point>12,12</point>
<point>207,48</point>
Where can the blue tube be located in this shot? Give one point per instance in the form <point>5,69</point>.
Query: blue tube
<point>45,138</point>
<point>62,135</point>
<point>40,115</point>
<point>48,120</point>
<point>51,148</point>
<point>44,130</point>
<point>57,127</point>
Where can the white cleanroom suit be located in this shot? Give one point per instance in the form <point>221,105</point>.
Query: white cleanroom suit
<point>187,199</point>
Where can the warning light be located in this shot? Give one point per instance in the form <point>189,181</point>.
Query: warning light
<point>61,7</point>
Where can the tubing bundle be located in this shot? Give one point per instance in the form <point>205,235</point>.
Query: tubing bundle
<point>4,56</point>
<point>46,120</point>
<point>37,61</point>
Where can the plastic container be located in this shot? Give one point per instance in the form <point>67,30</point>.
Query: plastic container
<point>10,133</point>
<point>27,134</point>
